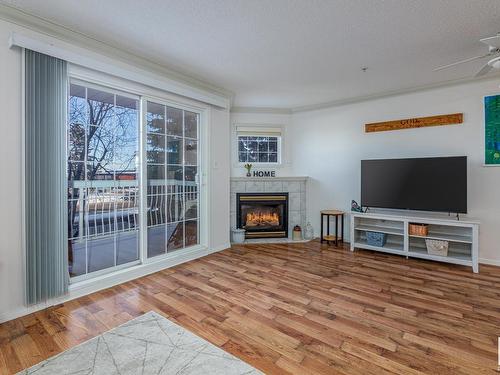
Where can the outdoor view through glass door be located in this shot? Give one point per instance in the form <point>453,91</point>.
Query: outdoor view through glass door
<point>104,189</point>
<point>172,178</point>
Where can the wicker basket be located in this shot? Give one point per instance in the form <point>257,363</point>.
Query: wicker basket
<point>418,229</point>
<point>437,247</point>
<point>375,238</point>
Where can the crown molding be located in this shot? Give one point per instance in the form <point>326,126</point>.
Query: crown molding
<point>364,98</point>
<point>46,27</point>
<point>268,110</point>
<point>386,94</point>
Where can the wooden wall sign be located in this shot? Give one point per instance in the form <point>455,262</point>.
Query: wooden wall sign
<point>418,122</point>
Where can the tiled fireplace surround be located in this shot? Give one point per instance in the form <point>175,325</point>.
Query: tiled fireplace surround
<point>296,187</point>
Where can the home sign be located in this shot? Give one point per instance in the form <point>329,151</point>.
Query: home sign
<point>264,173</point>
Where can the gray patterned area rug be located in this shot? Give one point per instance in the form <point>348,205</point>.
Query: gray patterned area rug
<point>149,344</point>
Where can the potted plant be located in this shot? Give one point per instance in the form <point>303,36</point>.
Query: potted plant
<point>248,167</point>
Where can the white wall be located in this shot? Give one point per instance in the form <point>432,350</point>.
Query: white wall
<point>332,142</point>
<point>219,179</point>
<point>285,169</point>
<point>11,256</point>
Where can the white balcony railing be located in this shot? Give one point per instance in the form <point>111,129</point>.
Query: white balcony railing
<point>106,207</point>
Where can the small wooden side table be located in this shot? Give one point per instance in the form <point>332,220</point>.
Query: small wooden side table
<point>328,237</point>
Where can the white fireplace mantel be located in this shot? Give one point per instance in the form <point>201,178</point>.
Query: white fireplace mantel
<point>277,178</point>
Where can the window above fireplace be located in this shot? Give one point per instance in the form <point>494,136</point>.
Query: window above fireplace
<point>258,145</point>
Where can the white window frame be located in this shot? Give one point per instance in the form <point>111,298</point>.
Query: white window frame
<point>114,91</point>
<point>256,130</point>
<point>202,176</point>
<point>88,77</point>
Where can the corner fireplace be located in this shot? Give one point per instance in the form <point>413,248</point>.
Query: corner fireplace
<point>263,215</point>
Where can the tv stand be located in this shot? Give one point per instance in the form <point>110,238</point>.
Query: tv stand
<point>462,235</point>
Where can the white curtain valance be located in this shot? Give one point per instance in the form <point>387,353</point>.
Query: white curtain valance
<point>83,57</point>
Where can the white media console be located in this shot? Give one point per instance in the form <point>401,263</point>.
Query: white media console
<point>462,235</point>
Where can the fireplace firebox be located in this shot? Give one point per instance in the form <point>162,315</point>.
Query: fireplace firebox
<point>263,215</point>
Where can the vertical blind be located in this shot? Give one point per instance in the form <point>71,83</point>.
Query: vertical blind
<point>46,85</point>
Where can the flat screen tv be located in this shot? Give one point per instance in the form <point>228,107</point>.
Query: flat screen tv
<point>426,184</point>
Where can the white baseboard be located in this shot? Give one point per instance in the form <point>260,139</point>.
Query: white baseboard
<point>83,288</point>
<point>492,262</point>
<point>216,249</point>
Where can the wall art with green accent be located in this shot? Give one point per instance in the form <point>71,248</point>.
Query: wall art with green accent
<point>492,130</point>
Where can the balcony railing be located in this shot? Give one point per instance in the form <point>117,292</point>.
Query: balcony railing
<point>104,207</point>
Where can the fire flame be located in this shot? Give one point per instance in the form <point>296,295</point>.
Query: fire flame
<point>262,218</point>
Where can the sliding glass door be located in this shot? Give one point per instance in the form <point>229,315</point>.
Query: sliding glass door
<point>172,178</point>
<point>105,215</point>
<point>103,188</point>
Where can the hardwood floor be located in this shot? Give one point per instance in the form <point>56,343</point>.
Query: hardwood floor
<point>298,308</point>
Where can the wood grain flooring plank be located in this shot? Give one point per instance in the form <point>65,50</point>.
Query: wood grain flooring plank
<point>305,308</point>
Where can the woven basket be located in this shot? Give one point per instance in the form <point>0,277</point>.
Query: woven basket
<point>437,247</point>
<point>375,238</point>
<point>418,229</point>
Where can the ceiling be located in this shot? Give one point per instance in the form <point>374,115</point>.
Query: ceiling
<point>290,53</point>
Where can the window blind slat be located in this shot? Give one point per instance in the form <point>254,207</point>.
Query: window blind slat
<point>45,177</point>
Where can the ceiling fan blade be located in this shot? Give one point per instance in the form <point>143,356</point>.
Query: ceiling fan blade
<point>484,70</point>
<point>461,62</point>
<point>493,41</point>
